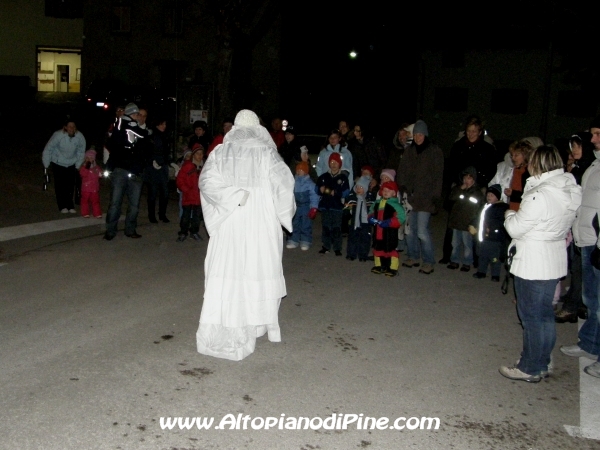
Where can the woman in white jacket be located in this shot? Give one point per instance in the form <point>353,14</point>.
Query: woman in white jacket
<point>538,230</point>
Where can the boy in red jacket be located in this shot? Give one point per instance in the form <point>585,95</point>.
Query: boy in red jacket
<point>187,183</point>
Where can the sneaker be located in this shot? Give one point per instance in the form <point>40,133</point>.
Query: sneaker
<point>465,268</point>
<point>543,373</point>
<point>391,273</point>
<point>593,369</point>
<point>410,263</point>
<point>563,316</point>
<point>496,279</point>
<point>479,275</point>
<point>304,247</point>
<point>323,250</point>
<point>181,238</point>
<point>64,211</point>
<point>377,270</point>
<point>291,244</point>
<point>338,253</point>
<point>576,352</point>
<point>452,266</point>
<point>515,374</point>
<point>426,269</point>
<point>72,211</point>
<point>196,237</point>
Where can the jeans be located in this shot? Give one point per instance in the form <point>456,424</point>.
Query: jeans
<point>534,306</point>
<point>158,186</point>
<point>465,240</point>
<point>64,185</point>
<point>123,184</point>
<point>190,220</point>
<point>489,253</point>
<point>302,226</point>
<point>419,240</point>
<point>589,334</point>
<point>332,229</point>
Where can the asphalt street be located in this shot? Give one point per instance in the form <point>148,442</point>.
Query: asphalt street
<point>99,345</point>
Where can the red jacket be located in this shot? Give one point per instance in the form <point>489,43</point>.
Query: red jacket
<point>187,183</point>
<point>216,141</point>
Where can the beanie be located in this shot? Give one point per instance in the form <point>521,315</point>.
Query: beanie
<point>131,108</point>
<point>303,166</point>
<point>335,157</point>
<point>391,185</point>
<point>469,171</point>
<point>420,128</point>
<point>389,172</point>
<point>90,154</point>
<point>290,129</point>
<point>369,168</point>
<point>495,189</point>
<point>363,182</point>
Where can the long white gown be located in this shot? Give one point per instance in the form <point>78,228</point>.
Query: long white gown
<point>247,194</point>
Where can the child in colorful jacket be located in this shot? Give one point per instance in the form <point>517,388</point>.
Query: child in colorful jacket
<point>387,215</point>
<point>307,201</point>
<point>90,185</point>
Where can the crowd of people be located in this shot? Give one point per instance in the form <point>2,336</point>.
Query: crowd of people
<point>533,211</point>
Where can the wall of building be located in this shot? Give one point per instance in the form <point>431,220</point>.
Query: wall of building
<point>23,27</point>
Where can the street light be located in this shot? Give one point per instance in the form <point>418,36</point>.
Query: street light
<point>353,54</point>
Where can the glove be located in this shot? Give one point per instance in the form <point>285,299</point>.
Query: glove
<point>312,213</point>
<point>373,221</point>
<point>472,230</point>
<point>595,258</point>
<point>385,223</point>
<point>155,165</point>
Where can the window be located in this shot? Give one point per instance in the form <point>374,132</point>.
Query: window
<point>575,104</point>
<point>64,9</point>
<point>451,99</point>
<point>120,20</point>
<point>509,101</point>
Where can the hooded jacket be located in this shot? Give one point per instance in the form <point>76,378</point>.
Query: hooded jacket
<point>539,229</point>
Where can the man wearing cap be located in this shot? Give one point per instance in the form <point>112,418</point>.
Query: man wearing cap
<point>65,152</point>
<point>125,166</point>
<point>585,233</point>
<point>247,195</point>
<point>421,171</point>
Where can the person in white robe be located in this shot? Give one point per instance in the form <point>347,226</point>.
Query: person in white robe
<point>247,195</point>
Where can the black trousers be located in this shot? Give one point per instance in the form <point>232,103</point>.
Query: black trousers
<point>190,220</point>
<point>64,185</point>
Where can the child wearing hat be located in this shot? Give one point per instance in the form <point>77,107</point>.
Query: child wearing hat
<point>490,233</point>
<point>387,214</point>
<point>333,186</point>
<point>467,200</point>
<point>187,183</point>
<point>90,185</point>
<point>307,201</point>
<point>359,202</point>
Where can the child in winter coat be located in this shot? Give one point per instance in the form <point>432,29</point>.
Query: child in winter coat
<point>187,183</point>
<point>359,202</point>
<point>333,186</point>
<point>490,233</point>
<point>307,201</point>
<point>386,214</point>
<point>467,200</point>
<point>90,185</point>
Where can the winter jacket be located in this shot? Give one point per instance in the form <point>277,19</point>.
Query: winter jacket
<point>323,161</point>
<point>305,192</point>
<point>127,145</point>
<point>490,223</point>
<point>187,183</point>
<point>422,173</point>
<point>159,150</point>
<point>352,201</point>
<point>466,204</point>
<point>541,225</point>
<point>385,238</point>
<point>583,229</point>
<point>90,178</point>
<point>64,150</point>
<point>337,188</point>
<point>367,152</point>
<point>480,154</point>
<point>503,175</point>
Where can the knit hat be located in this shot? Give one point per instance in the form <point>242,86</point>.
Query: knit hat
<point>187,152</point>
<point>197,146</point>
<point>495,189</point>
<point>131,108</point>
<point>303,166</point>
<point>290,129</point>
<point>595,123</point>
<point>420,128</point>
<point>391,185</point>
<point>389,172</point>
<point>304,149</point>
<point>471,171</point>
<point>363,182</point>
<point>246,118</point>
<point>369,168</point>
<point>90,154</point>
<point>336,157</point>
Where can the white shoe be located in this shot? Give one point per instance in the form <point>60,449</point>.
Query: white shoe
<point>593,369</point>
<point>576,352</point>
<point>72,211</point>
<point>64,210</point>
<point>291,245</point>
<point>304,247</point>
<point>515,374</point>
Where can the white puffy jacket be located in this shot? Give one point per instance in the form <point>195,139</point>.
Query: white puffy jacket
<point>583,231</point>
<point>539,229</point>
<point>503,177</point>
